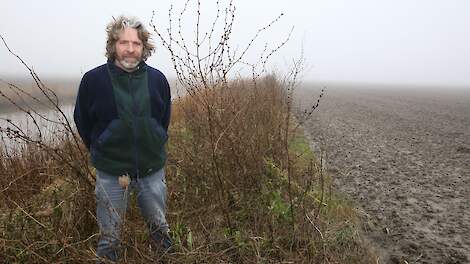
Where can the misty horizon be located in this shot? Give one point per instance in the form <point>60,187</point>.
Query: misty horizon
<point>418,43</point>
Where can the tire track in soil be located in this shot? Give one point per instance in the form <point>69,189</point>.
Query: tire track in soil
<point>404,157</point>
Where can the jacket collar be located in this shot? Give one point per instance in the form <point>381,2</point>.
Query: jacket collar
<point>114,69</point>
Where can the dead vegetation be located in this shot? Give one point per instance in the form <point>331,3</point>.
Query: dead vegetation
<point>243,184</point>
<point>234,208</point>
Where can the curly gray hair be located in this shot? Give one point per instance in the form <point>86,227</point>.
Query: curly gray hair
<point>117,25</point>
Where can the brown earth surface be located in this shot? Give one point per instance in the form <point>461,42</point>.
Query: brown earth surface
<point>403,155</point>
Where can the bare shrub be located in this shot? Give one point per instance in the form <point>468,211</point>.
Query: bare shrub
<point>243,185</point>
<point>37,152</point>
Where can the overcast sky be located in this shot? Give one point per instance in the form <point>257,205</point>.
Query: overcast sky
<point>424,42</point>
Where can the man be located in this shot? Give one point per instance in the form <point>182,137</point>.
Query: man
<point>122,114</point>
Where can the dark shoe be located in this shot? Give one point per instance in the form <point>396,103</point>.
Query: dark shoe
<point>162,242</point>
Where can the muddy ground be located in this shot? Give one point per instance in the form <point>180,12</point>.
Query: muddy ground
<point>403,155</point>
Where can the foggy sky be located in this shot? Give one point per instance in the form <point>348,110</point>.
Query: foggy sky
<point>424,42</point>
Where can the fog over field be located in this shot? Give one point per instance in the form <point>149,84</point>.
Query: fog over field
<point>393,124</point>
<point>400,42</point>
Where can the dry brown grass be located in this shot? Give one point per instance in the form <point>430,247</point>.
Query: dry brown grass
<point>244,186</point>
<point>228,202</point>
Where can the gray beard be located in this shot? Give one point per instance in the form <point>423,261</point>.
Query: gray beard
<point>129,65</point>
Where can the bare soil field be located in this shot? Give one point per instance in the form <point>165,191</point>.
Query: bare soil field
<point>403,155</point>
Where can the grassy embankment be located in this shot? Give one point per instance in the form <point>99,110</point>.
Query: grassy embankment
<point>242,188</point>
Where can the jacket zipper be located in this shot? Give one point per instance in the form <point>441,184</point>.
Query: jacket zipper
<point>134,127</point>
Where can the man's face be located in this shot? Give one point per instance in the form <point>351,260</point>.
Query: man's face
<point>129,49</point>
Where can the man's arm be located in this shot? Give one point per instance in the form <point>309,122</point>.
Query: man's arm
<point>80,114</point>
<point>167,114</point>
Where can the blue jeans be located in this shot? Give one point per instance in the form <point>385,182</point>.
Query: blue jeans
<point>112,201</point>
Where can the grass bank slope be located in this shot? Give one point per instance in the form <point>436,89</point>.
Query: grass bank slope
<point>243,187</point>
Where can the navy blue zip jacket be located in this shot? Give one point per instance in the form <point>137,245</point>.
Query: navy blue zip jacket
<point>123,118</point>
